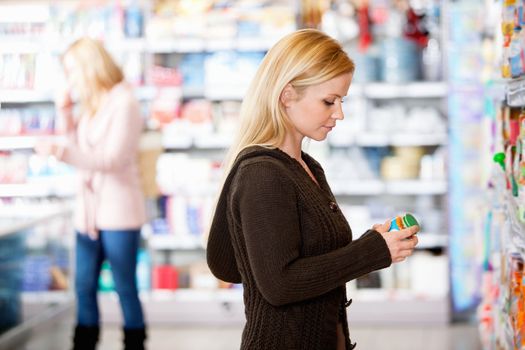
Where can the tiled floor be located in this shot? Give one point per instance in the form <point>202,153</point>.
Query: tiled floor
<point>454,337</point>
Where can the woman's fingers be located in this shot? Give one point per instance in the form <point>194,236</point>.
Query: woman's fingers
<point>382,227</point>
<point>401,246</point>
<point>408,232</point>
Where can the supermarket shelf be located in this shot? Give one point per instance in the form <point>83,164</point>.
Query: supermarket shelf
<point>13,225</point>
<point>58,186</point>
<point>380,306</point>
<point>16,337</point>
<point>382,139</point>
<point>13,46</point>
<point>401,187</point>
<point>185,142</point>
<point>24,96</point>
<point>148,93</point>
<point>194,243</point>
<point>223,307</point>
<point>431,240</point>
<point>177,142</point>
<point>175,45</point>
<point>175,242</point>
<point>47,297</point>
<point>218,93</point>
<point>143,93</point>
<point>418,139</point>
<point>371,90</point>
<point>187,307</point>
<point>193,45</point>
<point>406,90</point>
<point>215,141</point>
<point>365,139</point>
<point>416,187</point>
<point>365,187</point>
<point>17,142</point>
<point>8,143</point>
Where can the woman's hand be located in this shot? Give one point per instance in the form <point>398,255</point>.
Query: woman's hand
<point>46,147</point>
<point>64,106</point>
<point>400,243</point>
<point>63,99</point>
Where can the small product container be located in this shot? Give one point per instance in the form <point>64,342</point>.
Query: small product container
<point>402,222</point>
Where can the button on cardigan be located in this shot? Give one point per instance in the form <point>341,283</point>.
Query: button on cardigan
<point>285,239</point>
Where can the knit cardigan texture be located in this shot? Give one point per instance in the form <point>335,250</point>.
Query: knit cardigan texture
<point>285,239</point>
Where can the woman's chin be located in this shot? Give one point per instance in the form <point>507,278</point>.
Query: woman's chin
<point>319,137</point>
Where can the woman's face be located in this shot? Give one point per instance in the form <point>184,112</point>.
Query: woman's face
<point>315,113</point>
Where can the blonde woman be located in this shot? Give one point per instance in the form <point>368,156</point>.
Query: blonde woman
<point>103,146</point>
<point>277,228</point>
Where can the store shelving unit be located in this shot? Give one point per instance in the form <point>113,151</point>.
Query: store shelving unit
<point>24,235</point>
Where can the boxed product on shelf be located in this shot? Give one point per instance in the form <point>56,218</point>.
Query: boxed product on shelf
<point>410,278</point>
<point>221,66</point>
<point>106,283</point>
<point>27,121</point>
<point>144,269</point>
<point>201,277</point>
<point>191,67</point>
<point>14,168</point>
<point>188,215</point>
<point>165,107</point>
<point>165,277</point>
<point>133,66</point>
<point>17,70</point>
<point>37,273</point>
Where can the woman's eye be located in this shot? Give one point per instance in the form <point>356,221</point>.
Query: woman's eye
<point>328,103</point>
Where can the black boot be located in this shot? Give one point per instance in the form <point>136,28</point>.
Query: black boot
<point>85,338</point>
<point>134,338</point>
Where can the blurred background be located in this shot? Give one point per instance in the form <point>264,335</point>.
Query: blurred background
<point>434,125</point>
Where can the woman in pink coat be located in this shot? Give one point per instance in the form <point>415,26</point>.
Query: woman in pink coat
<point>103,134</point>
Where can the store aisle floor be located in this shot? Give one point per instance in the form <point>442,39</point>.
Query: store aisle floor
<point>454,337</point>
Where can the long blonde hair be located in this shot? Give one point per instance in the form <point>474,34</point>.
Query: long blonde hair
<point>303,58</point>
<point>98,72</point>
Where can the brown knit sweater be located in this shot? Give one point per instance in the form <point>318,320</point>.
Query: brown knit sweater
<point>286,240</point>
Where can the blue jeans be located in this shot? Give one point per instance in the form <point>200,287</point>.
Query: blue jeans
<point>119,247</point>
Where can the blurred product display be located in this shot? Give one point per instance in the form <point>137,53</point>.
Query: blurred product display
<point>411,141</point>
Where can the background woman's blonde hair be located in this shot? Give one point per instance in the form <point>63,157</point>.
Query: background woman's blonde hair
<point>303,58</point>
<point>98,71</point>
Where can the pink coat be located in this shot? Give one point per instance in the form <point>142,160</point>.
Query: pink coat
<point>104,149</point>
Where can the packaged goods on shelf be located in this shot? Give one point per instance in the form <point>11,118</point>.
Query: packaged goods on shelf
<point>165,277</point>
<point>106,283</point>
<point>225,21</point>
<point>28,121</point>
<point>14,168</point>
<point>47,176</point>
<point>191,67</point>
<point>222,65</point>
<point>165,107</point>
<point>201,277</point>
<point>411,278</point>
<point>18,71</point>
<point>513,46</point>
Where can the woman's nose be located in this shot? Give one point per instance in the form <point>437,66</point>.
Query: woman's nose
<point>338,114</point>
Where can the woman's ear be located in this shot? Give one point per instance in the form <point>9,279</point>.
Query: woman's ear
<point>288,95</point>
